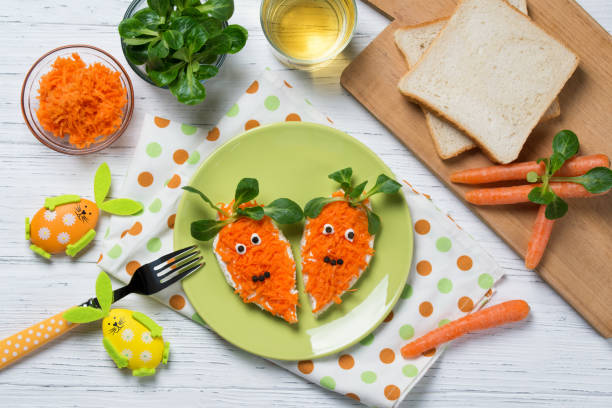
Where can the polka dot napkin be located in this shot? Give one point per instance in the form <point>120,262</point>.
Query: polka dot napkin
<point>451,275</point>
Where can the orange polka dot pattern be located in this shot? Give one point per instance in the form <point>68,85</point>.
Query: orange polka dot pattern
<point>387,356</point>
<point>161,122</point>
<point>293,117</point>
<point>426,309</point>
<point>180,156</point>
<point>464,263</point>
<point>392,392</point>
<point>213,134</point>
<point>422,227</point>
<point>177,302</point>
<point>346,361</point>
<point>305,366</point>
<point>251,123</point>
<point>423,268</point>
<point>253,88</point>
<point>145,179</point>
<point>174,182</point>
<point>131,267</point>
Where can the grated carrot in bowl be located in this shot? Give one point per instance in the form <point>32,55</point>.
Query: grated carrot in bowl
<point>83,102</point>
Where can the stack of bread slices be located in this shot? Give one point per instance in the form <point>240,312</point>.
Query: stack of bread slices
<point>485,77</point>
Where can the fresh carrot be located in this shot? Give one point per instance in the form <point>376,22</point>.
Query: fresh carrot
<point>539,238</point>
<point>519,194</point>
<point>576,166</point>
<point>511,311</point>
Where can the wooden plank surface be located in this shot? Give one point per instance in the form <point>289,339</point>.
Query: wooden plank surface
<point>578,262</point>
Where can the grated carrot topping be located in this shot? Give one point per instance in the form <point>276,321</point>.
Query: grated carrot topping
<point>326,282</point>
<point>277,293</point>
<point>83,102</point>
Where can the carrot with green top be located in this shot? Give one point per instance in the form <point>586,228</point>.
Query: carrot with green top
<point>511,311</point>
<point>520,194</point>
<point>542,229</point>
<point>576,166</point>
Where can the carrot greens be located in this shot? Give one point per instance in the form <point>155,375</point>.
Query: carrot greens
<point>565,146</point>
<point>354,195</point>
<point>281,210</point>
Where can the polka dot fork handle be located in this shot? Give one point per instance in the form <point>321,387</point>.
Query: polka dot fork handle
<point>26,341</point>
<point>147,280</point>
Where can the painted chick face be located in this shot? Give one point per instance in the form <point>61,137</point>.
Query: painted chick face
<point>258,259</point>
<point>336,249</point>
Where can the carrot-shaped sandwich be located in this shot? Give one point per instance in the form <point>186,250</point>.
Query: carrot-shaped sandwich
<point>338,240</point>
<point>511,311</point>
<point>252,252</point>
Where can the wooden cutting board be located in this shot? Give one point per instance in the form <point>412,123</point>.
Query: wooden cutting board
<point>578,262</point>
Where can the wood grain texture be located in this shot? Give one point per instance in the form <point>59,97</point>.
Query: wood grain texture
<point>553,359</point>
<point>577,263</point>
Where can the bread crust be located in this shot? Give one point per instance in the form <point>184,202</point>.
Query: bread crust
<point>459,126</point>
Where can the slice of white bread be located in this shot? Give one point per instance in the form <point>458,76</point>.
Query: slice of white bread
<point>412,42</point>
<point>493,73</point>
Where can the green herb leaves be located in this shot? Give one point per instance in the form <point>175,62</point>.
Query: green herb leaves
<point>354,196</point>
<point>281,210</point>
<point>565,146</point>
<point>178,40</point>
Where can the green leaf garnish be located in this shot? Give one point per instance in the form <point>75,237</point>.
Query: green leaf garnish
<point>205,198</point>
<point>354,195</point>
<point>566,144</point>
<point>313,208</point>
<point>356,192</point>
<point>104,292</point>
<point>384,184</point>
<point>343,177</point>
<point>556,208</point>
<point>247,190</point>
<point>532,177</point>
<point>256,213</point>
<point>597,180</point>
<point>373,223</point>
<point>284,211</point>
<point>204,230</point>
<point>540,196</point>
<point>219,9</point>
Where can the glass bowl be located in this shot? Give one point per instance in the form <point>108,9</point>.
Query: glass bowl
<point>140,70</point>
<point>30,103</point>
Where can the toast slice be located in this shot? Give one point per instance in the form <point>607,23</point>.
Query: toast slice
<point>495,97</point>
<point>412,42</point>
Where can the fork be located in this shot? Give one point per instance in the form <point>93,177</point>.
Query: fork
<point>147,280</point>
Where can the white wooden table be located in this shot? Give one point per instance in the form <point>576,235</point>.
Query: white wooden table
<point>554,360</point>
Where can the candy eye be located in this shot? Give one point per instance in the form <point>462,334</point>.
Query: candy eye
<point>349,234</point>
<point>328,229</point>
<point>241,249</point>
<point>255,240</point>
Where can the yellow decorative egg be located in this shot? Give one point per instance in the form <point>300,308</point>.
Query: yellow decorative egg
<point>134,341</point>
<point>54,230</point>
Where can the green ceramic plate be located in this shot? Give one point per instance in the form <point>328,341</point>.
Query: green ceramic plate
<point>293,160</point>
